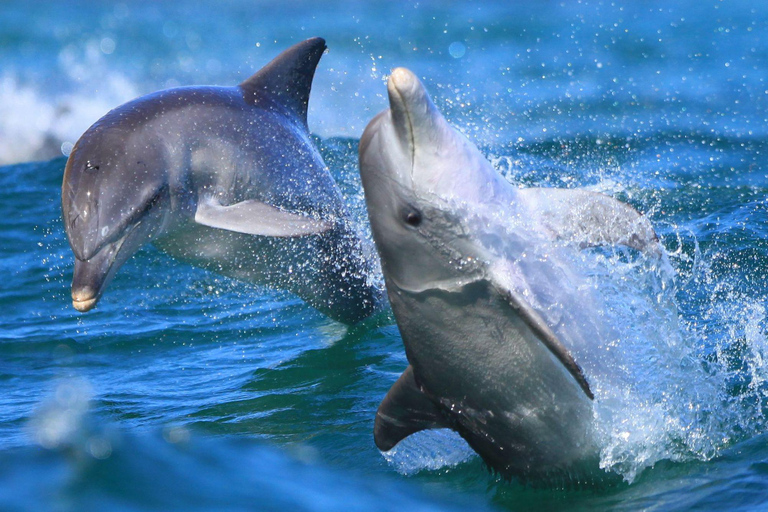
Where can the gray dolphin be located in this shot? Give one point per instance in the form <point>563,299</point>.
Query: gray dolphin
<point>226,178</point>
<point>498,332</point>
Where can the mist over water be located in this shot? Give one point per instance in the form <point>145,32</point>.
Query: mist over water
<point>235,396</point>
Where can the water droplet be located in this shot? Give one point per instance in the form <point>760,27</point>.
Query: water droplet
<point>66,148</point>
<point>99,448</point>
<point>457,49</point>
<point>107,45</point>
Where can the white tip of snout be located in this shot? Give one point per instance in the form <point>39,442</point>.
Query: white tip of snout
<point>413,113</point>
<point>405,90</point>
<point>84,305</point>
<point>84,299</point>
<point>402,80</point>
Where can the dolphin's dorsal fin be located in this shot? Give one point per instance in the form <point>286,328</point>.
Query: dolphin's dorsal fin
<point>404,411</point>
<point>591,219</point>
<point>256,218</point>
<point>287,80</point>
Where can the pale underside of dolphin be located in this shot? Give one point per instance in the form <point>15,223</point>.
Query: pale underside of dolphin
<point>496,328</point>
<point>226,178</point>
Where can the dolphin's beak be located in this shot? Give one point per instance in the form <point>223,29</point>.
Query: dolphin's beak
<point>388,144</point>
<point>403,88</point>
<point>91,276</point>
<point>414,116</point>
<point>84,304</point>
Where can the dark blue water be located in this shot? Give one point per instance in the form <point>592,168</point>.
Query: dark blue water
<point>185,390</point>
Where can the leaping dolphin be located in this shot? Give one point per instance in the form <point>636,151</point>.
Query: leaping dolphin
<point>497,331</point>
<point>226,178</point>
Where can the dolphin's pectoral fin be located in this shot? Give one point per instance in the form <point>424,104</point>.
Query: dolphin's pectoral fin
<point>404,411</point>
<point>536,323</point>
<point>592,219</point>
<point>256,218</point>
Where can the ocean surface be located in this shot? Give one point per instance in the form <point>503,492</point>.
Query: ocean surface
<point>184,390</point>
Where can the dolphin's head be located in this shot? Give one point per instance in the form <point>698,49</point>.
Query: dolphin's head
<point>112,196</point>
<point>416,171</point>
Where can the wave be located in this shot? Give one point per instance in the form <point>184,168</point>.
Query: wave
<point>35,125</point>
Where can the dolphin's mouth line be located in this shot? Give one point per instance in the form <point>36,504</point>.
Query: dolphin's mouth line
<point>117,244</point>
<point>444,285</point>
<point>411,138</point>
<point>86,304</point>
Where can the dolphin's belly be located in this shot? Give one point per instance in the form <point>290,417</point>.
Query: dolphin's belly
<point>509,396</point>
<point>309,266</point>
<point>244,257</point>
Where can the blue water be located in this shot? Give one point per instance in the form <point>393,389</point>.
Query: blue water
<point>184,390</point>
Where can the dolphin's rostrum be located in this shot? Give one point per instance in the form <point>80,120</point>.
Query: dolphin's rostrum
<point>226,178</point>
<point>500,337</point>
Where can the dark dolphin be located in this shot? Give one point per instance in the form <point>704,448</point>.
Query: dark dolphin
<point>226,178</point>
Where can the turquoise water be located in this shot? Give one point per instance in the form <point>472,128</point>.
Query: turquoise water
<point>184,390</point>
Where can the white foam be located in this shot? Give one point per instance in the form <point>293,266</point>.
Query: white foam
<point>679,402</point>
<point>36,126</point>
<point>429,450</point>
<point>38,121</point>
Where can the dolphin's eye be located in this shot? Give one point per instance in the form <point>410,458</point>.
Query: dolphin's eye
<point>91,167</point>
<point>413,218</point>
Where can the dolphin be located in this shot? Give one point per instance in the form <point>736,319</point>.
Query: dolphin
<point>225,178</point>
<point>503,342</point>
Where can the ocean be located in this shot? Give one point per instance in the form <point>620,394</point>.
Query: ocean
<point>185,390</point>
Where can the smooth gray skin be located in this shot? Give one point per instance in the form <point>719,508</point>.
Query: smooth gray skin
<point>495,324</point>
<point>226,178</point>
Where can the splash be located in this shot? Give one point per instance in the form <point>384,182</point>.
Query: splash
<point>679,400</point>
<point>429,450</point>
